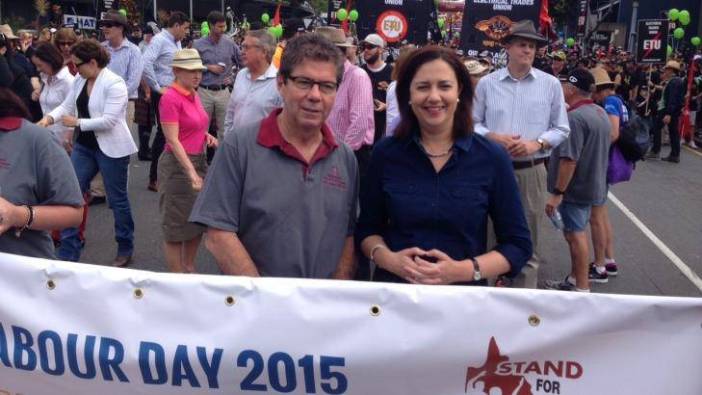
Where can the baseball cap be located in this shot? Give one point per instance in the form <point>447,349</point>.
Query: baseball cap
<point>375,39</point>
<point>582,79</point>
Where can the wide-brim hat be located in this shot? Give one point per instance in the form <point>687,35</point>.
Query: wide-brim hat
<point>525,29</point>
<point>673,65</point>
<point>336,36</point>
<point>7,31</point>
<point>188,59</point>
<point>115,17</point>
<point>601,77</point>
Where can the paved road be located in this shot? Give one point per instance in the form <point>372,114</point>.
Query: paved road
<point>663,196</point>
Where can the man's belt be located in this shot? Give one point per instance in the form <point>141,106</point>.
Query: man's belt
<point>528,163</point>
<point>215,87</point>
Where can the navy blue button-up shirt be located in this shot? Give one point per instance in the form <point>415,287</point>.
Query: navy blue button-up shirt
<point>404,200</point>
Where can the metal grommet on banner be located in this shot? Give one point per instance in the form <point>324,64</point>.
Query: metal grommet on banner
<point>534,320</point>
<point>375,310</point>
<point>51,285</point>
<point>230,301</point>
<point>138,293</point>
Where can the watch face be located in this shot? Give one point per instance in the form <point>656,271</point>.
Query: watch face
<point>477,276</point>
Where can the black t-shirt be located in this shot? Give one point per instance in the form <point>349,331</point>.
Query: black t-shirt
<point>376,77</point>
<point>86,138</point>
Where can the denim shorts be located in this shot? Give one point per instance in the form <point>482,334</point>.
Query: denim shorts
<point>575,216</point>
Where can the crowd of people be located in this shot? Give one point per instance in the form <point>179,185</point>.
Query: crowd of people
<point>320,156</point>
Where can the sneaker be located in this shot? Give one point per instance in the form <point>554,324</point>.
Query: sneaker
<point>597,277</point>
<point>612,269</point>
<point>653,155</point>
<point>563,285</point>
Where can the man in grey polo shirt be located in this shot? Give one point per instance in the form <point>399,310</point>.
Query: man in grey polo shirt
<point>577,177</point>
<point>280,197</point>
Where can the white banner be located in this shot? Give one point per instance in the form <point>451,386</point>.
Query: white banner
<point>81,22</point>
<point>70,328</point>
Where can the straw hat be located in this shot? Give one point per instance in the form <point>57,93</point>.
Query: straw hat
<point>474,67</point>
<point>336,36</point>
<point>188,59</point>
<point>7,31</point>
<point>601,76</point>
<point>673,65</point>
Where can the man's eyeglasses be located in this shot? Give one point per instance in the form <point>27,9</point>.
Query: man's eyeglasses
<point>108,24</point>
<point>305,84</point>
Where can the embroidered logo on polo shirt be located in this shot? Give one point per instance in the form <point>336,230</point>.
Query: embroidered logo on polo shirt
<point>334,179</point>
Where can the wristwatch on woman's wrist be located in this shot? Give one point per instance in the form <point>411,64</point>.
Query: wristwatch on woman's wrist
<point>477,276</point>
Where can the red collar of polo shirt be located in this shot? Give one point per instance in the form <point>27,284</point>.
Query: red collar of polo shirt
<point>269,136</point>
<point>580,104</point>
<point>179,88</point>
<point>8,124</point>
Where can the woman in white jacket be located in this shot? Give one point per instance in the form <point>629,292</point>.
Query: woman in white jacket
<point>96,108</point>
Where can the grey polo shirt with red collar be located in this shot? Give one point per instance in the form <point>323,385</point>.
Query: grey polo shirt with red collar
<point>292,216</point>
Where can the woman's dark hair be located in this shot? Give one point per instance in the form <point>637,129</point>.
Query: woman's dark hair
<point>89,49</point>
<point>12,105</point>
<point>462,118</point>
<point>51,55</point>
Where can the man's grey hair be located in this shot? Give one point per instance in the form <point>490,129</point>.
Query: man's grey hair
<point>314,47</point>
<point>266,40</point>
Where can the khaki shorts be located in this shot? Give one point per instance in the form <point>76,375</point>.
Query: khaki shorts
<point>177,197</point>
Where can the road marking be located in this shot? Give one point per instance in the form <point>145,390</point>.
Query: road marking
<point>684,269</point>
<point>694,151</point>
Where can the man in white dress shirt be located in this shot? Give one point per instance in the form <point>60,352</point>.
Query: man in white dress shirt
<point>523,109</point>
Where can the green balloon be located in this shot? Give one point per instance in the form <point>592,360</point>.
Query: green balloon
<point>673,14</point>
<point>341,15</point>
<point>279,31</point>
<point>123,11</point>
<point>679,33</point>
<point>353,15</point>
<point>684,18</point>
<point>696,41</point>
<point>272,30</point>
<point>204,29</point>
<point>265,17</point>
<point>670,50</point>
<point>441,22</point>
<point>570,41</point>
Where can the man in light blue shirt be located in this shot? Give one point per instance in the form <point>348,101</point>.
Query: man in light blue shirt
<point>159,75</point>
<point>523,109</point>
<point>255,92</point>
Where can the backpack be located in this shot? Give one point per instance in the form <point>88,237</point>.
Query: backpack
<point>634,138</point>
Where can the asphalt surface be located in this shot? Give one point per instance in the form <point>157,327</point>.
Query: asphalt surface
<point>665,197</point>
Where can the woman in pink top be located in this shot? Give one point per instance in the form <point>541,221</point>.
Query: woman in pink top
<point>183,163</point>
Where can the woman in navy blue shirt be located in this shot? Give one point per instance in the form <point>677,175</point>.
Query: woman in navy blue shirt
<point>431,187</point>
